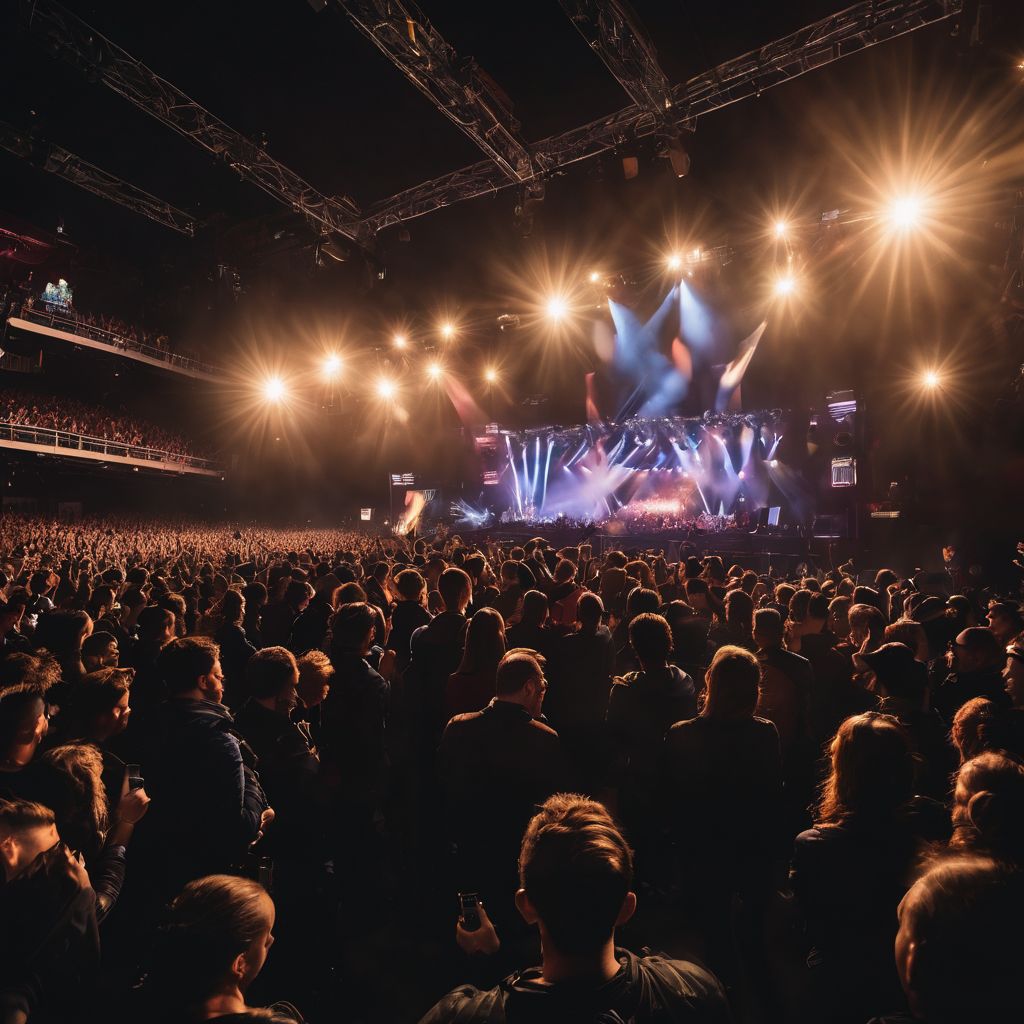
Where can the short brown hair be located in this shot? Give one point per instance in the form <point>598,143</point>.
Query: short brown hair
<point>19,815</point>
<point>184,660</point>
<point>576,868</point>
<point>516,669</point>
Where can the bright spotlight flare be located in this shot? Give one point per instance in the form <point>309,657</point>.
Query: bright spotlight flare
<point>332,366</point>
<point>273,389</point>
<point>905,212</point>
<point>434,371</point>
<point>785,285</point>
<point>781,229</point>
<point>674,262</point>
<point>385,388</point>
<point>931,379</point>
<point>448,330</point>
<point>490,375</point>
<point>400,341</point>
<point>557,308</point>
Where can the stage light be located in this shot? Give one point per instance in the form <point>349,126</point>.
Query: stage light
<point>491,375</point>
<point>785,285</point>
<point>273,389</point>
<point>400,341</point>
<point>905,212</point>
<point>742,475</point>
<point>931,380</point>
<point>774,463</point>
<point>594,277</point>
<point>447,330</point>
<point>557,308</point>
<point>332,366</point>
<point>385,388</point>
<point>434,371</point>
<point>781,229</point>
<point>674,262</point>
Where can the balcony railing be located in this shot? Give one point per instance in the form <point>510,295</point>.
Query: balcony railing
<point>67,441</point>
<point>71,325</point>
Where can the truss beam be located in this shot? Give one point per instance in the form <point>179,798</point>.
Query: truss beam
<point>459,89</point>
<point>74,40</point>
<point>847,32</point>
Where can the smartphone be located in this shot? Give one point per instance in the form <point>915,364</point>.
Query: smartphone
<point>265,873</point>
<point>469,909</point>
<point>134,776</point>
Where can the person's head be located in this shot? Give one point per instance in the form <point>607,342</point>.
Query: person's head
<point>651,639</point>
<point>798,605</point>
<point>214,941</point>
<point>884,578</point>
<point>640,571</point>
<point>988,807</point>
<point>349,593</point>
<point>872,770</point>
<point>23,723</point>
<point>1013,673</point>
<point>589,611</point>
<point>565,571</point>
<point>315,671</point>
<point>411,586</point>
<point>508,575</point>
<point>100,650</point>
<point>297,594</point>
<point>976,649</point>
<point>739,611</point>
<point>352,629</point>
<point>10,616</point>
<point>178,607</point>
<point>972,726</point>
<point>697,594</point>
<point>101,601</point>
<point>520,679</point>
<point>768,628</point>
<point>255,595</point>
<point>328,589</point>
<point>784,594</point>
<point>641,600</point>
<point>271,678</point>
<point>866,624</point>
<point>1005,620</point>
<point>156,625</point>
<point>485,642</point>
<point>456,589</point>
<point>893,671</point>
<point>190,668</point>
<point>910,633</point>
<point>816,614</point>
<point>535,608</point>
<point>27,829</point>
<point>959,945</point>
<point>839,615</point>
<point>99,706</point>
<point>62,632</point>
<point>575,876</point>
<point>69,779</point>
<point>731,681</point>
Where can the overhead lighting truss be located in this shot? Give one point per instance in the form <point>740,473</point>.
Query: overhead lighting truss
<point>74,40</point>
<point>459,89</point>
<point>53,158</point>
<point>847,32</point>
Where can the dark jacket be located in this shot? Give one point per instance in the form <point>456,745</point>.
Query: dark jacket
<point>310,628</point>
<point>784,695</point>
<point>407,617</point>
<point>436,653</point>
<point>642,707</point>
<point>579,671</point>
<point>235,652</point>
<point>646,990</point>
<point>959,687</point>
<point>207,801</point>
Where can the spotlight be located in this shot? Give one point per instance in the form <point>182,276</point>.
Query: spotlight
<point>785,285</point>
<point>742,475</point>
<point>905,212</point>
<point>931,380</point>
<point>273,389</point>
<point>400,341</point>
<point>434,371</point>
<point>557,308</point>
<point>490,375</point>
<point>781,229</point>
<point>385,388</point>
<point>447,330</point>
<point>594,277</point>
<point>774,463</point>
<point>674,262</point>
<point>332,366</point>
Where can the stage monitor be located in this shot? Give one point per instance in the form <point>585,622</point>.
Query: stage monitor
<point>365,514</point>
<point>773,515</point>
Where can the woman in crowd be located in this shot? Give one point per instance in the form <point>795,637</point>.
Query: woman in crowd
<point>472,686</point>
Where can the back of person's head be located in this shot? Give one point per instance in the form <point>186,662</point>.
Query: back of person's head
<point>350,593</point>
<point>474,565</point>
<point>988,807</point>
<point>589,610</point>
<point>615,560</point>
<point>872,770</point>
<point>576,873</point>
<point>20,708</point>
<point>270,672</point>
<point>485,642</point>
<point>456,588</point>
<point>739,609</point>
<point>184,660</point>
<point>732,681</point>
<point>296,592</point>
<point>61,632</point>
<point>350,625</point>
<point>255,595</point>
<point>695,588</point>
<point>784,594</point>
<point>867,617</point>
<point>97,694</point>
<point>817,607</point>
<point>410,585</point>
<point>517,668</point>
<point>17,816</point>
<point>866,595</point>
<point>381,571</point>
<point>69,779</point>
<point>565,571</point>
<point>982,644</point>
<point>768,626</point>
<point>650,638</point>
<point>535,608</point>
<point>509,571</point>
<point>970,728</point>
<point>154,622</point>
<point>641,600</point>
<point>960,946</point>
<point>213,922</point>
<point>884,578</point>
<point>798,605</point>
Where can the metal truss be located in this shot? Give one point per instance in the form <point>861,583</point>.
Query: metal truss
<point>73,39</point>
<point>615,35</point>
<point>837,36</point>
<point>460,90</point>
<point>59,161</point>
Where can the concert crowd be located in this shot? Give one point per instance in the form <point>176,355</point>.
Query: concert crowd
<point>250,774</point>
<point>58,412</point>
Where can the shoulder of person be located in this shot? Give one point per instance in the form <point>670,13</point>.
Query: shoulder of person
<point>680,981</point>
<point>542,728</point>
<point>469,1005</point>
